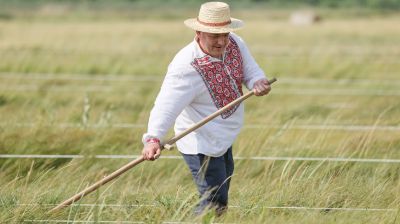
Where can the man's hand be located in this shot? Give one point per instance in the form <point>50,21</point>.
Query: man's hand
<point>261,87</point>
<point>151,151</point>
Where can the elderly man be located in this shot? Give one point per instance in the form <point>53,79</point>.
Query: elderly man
<point>203,77</point>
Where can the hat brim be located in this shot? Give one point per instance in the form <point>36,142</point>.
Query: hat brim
<point>235,24</point>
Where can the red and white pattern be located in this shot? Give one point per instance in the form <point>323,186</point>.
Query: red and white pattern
<point>223,78</point>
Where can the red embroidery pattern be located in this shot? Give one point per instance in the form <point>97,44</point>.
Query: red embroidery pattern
<point>223,79</point>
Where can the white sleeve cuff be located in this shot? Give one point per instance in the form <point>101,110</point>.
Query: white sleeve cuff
<point>146,137</point>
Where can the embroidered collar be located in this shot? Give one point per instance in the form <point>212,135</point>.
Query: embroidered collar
<point>223,79</point>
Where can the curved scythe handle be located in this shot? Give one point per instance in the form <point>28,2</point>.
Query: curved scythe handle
<point>167,145</point>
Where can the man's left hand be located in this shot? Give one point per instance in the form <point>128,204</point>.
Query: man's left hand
<point>261,87</point>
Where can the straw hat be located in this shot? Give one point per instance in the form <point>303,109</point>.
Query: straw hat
<point>214,17</point>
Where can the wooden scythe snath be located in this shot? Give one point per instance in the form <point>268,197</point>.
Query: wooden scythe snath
<point>166,145</point>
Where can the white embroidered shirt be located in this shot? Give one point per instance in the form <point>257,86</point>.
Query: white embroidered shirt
<point>195,86</point>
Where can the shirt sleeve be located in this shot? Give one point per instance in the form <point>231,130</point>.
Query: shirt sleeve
<point>251,71</point>
<point>177,91</point>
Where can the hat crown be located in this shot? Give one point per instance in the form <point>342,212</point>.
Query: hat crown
<point>214,13</point>
<point>214,17</point>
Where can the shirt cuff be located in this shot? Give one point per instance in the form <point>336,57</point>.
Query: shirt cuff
<point>146,139</point>
<point>252,81</point>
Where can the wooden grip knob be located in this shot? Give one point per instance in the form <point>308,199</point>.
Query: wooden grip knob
<point>168,147</point>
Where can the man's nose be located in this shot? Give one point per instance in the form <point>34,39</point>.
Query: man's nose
<point>222,41</point>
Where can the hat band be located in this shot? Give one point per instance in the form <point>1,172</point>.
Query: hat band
<point>213,24</point>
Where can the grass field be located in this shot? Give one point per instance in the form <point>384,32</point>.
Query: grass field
<point>86,87</point>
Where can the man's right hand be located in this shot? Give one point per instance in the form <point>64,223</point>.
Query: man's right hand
<point>151,151</point>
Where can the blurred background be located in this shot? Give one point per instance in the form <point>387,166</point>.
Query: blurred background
<point>104,35</point>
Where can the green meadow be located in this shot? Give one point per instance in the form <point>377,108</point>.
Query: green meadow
<point>84,85</point>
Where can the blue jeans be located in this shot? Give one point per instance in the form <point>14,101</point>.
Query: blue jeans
<point>212,176</point>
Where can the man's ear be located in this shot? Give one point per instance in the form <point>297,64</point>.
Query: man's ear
<point>198,35</point>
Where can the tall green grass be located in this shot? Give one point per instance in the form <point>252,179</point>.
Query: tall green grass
<point>343,52</point>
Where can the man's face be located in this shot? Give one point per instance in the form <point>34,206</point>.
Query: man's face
<point>213,44</point>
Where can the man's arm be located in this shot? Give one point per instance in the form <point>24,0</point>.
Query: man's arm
<point>177,91</point>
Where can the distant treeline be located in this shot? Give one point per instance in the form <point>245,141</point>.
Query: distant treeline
<point>373,4</point>
<point>377,4</point>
